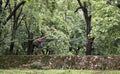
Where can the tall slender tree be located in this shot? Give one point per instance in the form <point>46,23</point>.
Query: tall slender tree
<point>16,23</point>
<point>87,17</point>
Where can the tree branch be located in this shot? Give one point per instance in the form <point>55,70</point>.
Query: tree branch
<point>79,2</point>
<point>19,13</point>
<point>77,9</point>
<point>0,5</point>
<point>7,2</point>
<point>26,25</point>
<point>15,9</point>
<point>20,21</point>
<point>81,6</point>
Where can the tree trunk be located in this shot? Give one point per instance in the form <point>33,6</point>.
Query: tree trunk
<point>87,17</point>
<point>0,19</point>
<point>13,31</point>
<point>0,5</point>
<point>77,50</point>
<point>15,22</point>
<point>30,48</point>
<point>12,43</point>
<point>89,39</point>
<point>89,46</point>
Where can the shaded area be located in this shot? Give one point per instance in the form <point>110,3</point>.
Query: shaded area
<point>61,62</point>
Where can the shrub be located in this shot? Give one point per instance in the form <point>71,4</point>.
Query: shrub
<point>35,65</point>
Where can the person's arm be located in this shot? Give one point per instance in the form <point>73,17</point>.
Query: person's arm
<point>44,37</point>
<point>41,38</point>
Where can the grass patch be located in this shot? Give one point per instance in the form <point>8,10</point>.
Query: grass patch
<point>58,72</point>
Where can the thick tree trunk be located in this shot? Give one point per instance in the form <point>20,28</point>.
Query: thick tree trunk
<point>89,46</point>
<point>90,40</point>
<point>12,43</point>
<point>13,31</point>
<point>30,48</point>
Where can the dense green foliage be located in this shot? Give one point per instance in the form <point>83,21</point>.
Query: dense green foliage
<point>66,30</point>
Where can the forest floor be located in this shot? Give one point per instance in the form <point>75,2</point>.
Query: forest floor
<point>29,71</point>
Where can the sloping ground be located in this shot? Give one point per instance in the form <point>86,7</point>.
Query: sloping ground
<point>60,62</point>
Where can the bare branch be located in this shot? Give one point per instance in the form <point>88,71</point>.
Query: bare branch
<point>26,25</point>
<point>1,5</point>
<point>19,13</point>
<point>7,3</point>
<point>79,2</point>
<point>77,9</point>
<point>15,9</point>
<point>10,9</point>
<point>20,21</point>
